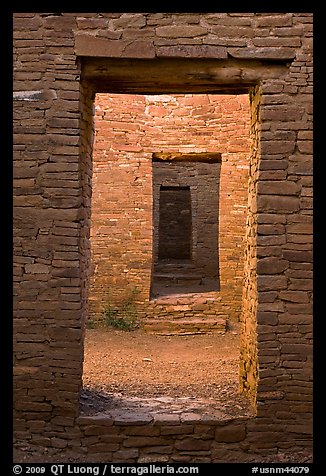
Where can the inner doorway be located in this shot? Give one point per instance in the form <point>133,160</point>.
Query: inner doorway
<point>186,190</point>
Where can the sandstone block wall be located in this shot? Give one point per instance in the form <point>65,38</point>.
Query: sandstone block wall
<point>60,61</point>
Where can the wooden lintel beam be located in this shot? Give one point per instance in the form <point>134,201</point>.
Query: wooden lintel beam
<point>210,157</point>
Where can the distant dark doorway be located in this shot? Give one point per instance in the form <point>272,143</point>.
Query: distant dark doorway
<point>175,223</point>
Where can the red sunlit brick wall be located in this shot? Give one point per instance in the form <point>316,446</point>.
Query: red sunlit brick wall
<point>129,128</point>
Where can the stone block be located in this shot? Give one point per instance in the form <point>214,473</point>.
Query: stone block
<point>30,24</point>
<point>302,429</point>
<point>272,147</point>
<point>275,187</point>
<point>292,42</point>
<point>300,228</point>
<point>157,450</point>
<point>273,175</point>
<point>92,23</point>
<point>281,113</point>
<point>24,370</point>
<point>272,164</point>
<point>41,95</point>
<point>29,406</point>
<point>147,430</point>
<point>123,455</point>
<point>176,430</point>
<point>271,283</point>
<point>103,447</point>
<point>163,419</point>
<point>129,20</point>
<point>271,265</point>
<point>37,268</point>
<point>191,51</point>
<point>153,458</point>
<point>279,53</point>
<point>180,31</point>
<point>96,430</point>
<point>302,284</point>
<point>64,421</point>
<point>267,318</point>
<point>190,417</point>
<point>305,147</point>
<point>58,443</point>
<point>271,240</point>
<point>139,49</point>
<point>277,204</point>
<point>300,256</point>
<point>61,333</point>
<point>89,45</point>
<point>143,441</point>
<point>264,230</point>
<point>131,418</point>
<point>111,438</point>
<point>193,444</point>
<point>231,433</point>
<point>301,167</point>
<point>295,348</point>
<point>275,20</point>
<point>295,296</point>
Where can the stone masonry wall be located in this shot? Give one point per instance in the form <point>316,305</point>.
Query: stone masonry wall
<point>248,333</point>
<point>129,128</point>
<point>269,53</point>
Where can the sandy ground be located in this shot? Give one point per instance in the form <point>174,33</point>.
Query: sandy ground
<point>136,364</point>
<point>121,367</point>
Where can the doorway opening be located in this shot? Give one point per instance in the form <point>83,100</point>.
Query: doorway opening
<point>131,215</point>
<point>173,201</point>
<point>185,223</point>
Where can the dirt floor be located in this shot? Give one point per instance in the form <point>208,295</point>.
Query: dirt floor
<point>202,368</point>
<point>127,369</point>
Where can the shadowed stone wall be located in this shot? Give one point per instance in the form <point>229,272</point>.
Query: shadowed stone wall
<point>60,61</point>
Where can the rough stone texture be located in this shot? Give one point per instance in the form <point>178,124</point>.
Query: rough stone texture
<point>269,55</point>
<point>248,333</point>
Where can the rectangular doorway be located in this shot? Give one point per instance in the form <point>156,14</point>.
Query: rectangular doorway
<point>186,190</point>
<point>202,175</point>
